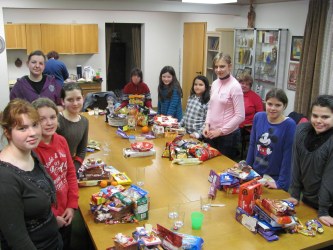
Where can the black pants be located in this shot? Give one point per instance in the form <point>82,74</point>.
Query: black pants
<point>226,144</point>
<point>66,236</point>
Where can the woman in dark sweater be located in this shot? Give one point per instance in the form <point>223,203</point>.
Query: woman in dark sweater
<point>312,169</point>
<point>26,190</point>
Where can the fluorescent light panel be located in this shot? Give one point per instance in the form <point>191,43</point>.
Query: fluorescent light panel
<point>209,1</point>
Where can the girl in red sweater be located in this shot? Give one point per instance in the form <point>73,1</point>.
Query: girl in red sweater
<point>54,153</point>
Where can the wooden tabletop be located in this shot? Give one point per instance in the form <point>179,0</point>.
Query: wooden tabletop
<point>168,183</point>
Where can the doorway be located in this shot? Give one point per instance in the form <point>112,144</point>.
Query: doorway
<point>123,53</point>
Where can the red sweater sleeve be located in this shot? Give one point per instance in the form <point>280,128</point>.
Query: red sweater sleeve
<point>73,189</point>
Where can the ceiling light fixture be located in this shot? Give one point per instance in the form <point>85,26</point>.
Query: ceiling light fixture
<point>209,1</point>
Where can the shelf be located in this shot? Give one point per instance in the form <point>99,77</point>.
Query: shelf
<point>264,81</point>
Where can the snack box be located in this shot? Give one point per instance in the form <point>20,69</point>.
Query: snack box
<point>122,179</point>
<point>141,209</point>
<point>248,193</point>
<point>246,220</point>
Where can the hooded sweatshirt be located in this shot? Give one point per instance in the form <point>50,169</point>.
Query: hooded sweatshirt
<point>58,162</point>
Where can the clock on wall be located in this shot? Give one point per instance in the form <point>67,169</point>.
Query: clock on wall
<point>2,44</point>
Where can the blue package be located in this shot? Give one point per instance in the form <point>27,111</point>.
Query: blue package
<point>190,242</point>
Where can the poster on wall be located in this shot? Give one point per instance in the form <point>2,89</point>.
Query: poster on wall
<point>292,75</point>
<point>296,48</point>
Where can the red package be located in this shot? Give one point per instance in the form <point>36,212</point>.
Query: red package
<point>248,193</point>
<point>203,152</point>
<point>277,207</point>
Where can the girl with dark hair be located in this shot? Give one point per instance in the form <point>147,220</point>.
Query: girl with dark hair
<point>72,125</point>
<point>271,141</point>
<point>35,85</point>
<point>26,190</point>
<point>312,160</point>
<point>169,94</point>
<point>136,86</point>
<point>196,108</point>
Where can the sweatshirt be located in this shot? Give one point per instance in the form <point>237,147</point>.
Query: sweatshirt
<point>58,162</point>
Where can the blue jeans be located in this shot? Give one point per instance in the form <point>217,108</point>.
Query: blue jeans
<point>226,144</point>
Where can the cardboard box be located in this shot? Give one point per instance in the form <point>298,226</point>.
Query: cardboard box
<point>248,193</point>
<point>141,209</point>
<point>246,220</point>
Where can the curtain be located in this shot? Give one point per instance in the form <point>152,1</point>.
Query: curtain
<point>108,32</point>
<point>136,45</point>
<point>310,64</point>
<point>326,76</point>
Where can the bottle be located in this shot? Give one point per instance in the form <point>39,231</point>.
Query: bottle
<point>109,109</point>
<point>98,73</point>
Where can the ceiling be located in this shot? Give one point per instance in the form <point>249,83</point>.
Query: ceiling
<point>247,2</point>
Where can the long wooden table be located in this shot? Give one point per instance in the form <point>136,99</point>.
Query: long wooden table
<point>168,183</point>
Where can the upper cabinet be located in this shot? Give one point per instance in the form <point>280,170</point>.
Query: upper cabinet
<point>85,38</point>
<point>63,38</point>
<point>34,37</point>
<point>56,37</point>
<point>15,36</point>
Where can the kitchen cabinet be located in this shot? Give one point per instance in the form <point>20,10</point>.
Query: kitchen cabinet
<point>84,38</point>
<point>56,37</point>
<point>63,38</point>
<point>15,36</point>
<point>213,46</point>
<point>34,37</point>
<point>244,51</point>
<point>270,58</point>
<point>90,87</point>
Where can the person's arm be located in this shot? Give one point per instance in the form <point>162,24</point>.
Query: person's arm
<point>174,102</point>
<point>73,190</point>
<point>252,144</point>
<point>12,219</point>
<point>64,72</point>
<point>82,146</point>
<point>258,105</point>
<point>239,109</point>
<point>325,196</point>
<point>285,168</point>
<point>204,115</point>
<point>296,184</point>
<point>148,102</point>
<point>15,91</point>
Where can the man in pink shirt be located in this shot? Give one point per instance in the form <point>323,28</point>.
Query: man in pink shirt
<point>225,109</point>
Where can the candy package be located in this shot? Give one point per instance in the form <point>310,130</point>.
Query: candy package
<point>203,152</point>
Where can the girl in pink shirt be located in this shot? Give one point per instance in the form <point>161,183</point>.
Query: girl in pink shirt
<point>225,109</point>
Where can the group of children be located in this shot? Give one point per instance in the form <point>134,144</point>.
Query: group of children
<point>38,170</point>
<point>46,147</point>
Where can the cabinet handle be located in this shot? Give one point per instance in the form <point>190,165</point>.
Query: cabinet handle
<point>199,72</point>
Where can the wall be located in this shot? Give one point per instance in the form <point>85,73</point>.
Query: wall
<point>3,70</point>
<point>161,30</point>
<point>291,16</point>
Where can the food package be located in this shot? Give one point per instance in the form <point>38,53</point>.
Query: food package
<point>246,220</point>
<point>278,207</point>
<point>248,193</point>
<point>203,152</point>
<point>130,153</point>
<point>122,179</point>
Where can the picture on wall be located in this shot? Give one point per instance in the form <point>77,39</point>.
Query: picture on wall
<point>292,75</point>
<point>296,48</point>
